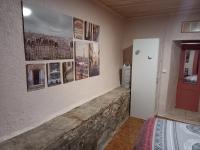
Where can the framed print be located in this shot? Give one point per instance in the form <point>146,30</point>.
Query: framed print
<point>94,57</point>
<point>53,74</point>
<point>88,31</point>
<point>78,25</point>
<point>96,31</point>
<point>190,27</point>
<point>81,60</point>
<point>48,35</point>
<point>35,76</point>
<point>68,71</point>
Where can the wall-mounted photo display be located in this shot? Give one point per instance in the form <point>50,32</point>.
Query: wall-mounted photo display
<point>94,57</point>
<point>78,25</point>
<point>96,32</point>
<point>48,35</point>
<point>190,27</point>
<point>53,74</point>
<point>35,76</point>
<point>88,31</point>
<point>81,60</point>
<point>68,71</point>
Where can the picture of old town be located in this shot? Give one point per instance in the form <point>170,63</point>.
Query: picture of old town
<point>82,60</point>
<point>44,47</point>
<point>47,35</point>
<point>35,76</point>
<point>88,31</point>
<point>68,72</point>
<point>78,28</point>
<point>94,58</point>
<point>53,74</point>
<point>96,31</point>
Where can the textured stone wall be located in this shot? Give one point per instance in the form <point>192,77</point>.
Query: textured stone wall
<point>87,127</point>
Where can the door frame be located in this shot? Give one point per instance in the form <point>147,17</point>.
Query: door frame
<point>181,85</point>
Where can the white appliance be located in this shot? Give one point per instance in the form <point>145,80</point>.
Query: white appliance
<point>144,76</point>
<point>126,76</point>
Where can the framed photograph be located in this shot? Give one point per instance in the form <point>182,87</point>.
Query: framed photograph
<point>96,32</point>
<point>48,35</point>
<point>190,27</point>
<point>35,76</point>
<point>82,60</point>
<point>53,74</point>
<point>88,31</point>
<point>78,25</point>
<point>94,57</point>
<point>68,71</point>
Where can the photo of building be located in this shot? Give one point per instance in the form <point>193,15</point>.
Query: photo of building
<point>88,31</point>
<point>53,74</point>
<point>82,60</point>
<point>94,58</point>
<point>48,35</point>
<point>96,31</point>
<point>35,76</point>
<point>78,25</point>
<point>45,47</point>
<point>68,72</point>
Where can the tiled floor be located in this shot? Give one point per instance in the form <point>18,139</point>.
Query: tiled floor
<point>126,136</point>
<point>182,115</point>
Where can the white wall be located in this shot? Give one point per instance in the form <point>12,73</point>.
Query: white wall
<point>21,110</point>
<point>167,28</point>
<point>173,75</point>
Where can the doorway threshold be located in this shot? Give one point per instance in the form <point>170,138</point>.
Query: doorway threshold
<point>181,116</point>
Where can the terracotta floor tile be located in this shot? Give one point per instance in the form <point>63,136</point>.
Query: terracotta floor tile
<point>126,136</point>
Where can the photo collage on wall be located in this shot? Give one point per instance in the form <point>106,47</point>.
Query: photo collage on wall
<point>86,47</point>
<point>58,48</point>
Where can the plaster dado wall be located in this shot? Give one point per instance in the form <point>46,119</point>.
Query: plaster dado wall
<point>21,110</point>
<point>167,28</point>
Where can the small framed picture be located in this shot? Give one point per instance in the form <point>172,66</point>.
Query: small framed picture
<point>35,76</point>
<point>94,59</point>
<point>53,74</point>
<point>96,31</point>
<point>81,60</point>
<point>88,31</point>
<point>68,71</point>
<point>190,27</point>
<point>78,26</point>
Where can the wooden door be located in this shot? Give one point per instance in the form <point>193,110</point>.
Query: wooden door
<point>188,88</point>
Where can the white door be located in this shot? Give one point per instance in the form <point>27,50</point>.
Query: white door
<point>144,76</point>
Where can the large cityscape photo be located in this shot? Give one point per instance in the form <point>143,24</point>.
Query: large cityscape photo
<point>47,35</point>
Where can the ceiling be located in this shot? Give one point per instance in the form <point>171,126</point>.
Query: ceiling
<point>131,9</point>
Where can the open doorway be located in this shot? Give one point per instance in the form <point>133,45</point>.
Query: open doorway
<point>184,81</point>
